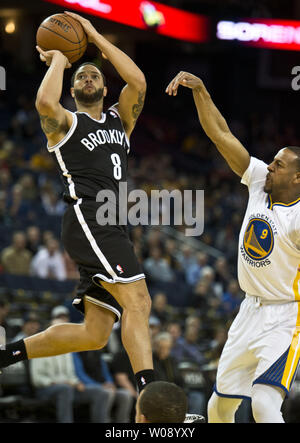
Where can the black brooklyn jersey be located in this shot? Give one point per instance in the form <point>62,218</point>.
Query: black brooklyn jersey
<point>93,155</point>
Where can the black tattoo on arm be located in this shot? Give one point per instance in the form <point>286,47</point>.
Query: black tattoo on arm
<point>137,108</point>
<point>49,124</point>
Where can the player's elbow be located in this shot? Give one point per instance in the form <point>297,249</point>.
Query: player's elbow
<point>140,82</point>
<point>44,105</point>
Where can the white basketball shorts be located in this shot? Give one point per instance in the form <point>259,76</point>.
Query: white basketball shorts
<point>263,346</point>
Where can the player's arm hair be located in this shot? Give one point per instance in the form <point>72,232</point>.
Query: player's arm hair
<point>216,128</point>
<point>55,120</point>
<point>132,97</point>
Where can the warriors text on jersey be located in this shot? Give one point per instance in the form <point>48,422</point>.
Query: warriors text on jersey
<point>93,155</point>
<point>269,242</point>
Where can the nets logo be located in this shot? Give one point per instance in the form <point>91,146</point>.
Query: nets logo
<point>258,239</point>
<point>2,79</point>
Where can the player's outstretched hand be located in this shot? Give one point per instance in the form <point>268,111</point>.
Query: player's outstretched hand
<point>184,79</point>
<point>89,29</point>
<point>47,56</point>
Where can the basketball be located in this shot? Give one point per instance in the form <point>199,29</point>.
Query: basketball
<point>63,33</point>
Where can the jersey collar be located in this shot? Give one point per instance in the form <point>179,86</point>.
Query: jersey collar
<point>102,120</point>
<point>271,204</point>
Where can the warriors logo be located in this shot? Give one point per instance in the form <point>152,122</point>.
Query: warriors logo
<point>258,239</point>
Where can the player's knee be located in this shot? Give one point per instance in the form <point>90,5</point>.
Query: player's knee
<point>95,343</point>
<point>95,338</point>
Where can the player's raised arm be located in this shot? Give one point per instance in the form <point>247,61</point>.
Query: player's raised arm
<point>213,122</point>
<point>132,97</point>
<point>55,120</point>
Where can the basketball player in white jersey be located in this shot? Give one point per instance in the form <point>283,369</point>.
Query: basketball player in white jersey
<point>261,355</point>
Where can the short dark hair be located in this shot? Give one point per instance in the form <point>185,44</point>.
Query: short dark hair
<point>163,402</point>
<point>83,64</point>
<point>296,150</point>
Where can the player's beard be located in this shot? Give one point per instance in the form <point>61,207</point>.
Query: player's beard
<point>88,99</point>
<point>268,186</point>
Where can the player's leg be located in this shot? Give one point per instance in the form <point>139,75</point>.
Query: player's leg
<point>266,403</point>
<point>93,333</point>
<point>222,409</point>
<point>136,303</point>
<point>64,337</point>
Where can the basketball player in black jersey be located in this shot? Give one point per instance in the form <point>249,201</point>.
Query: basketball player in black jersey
<point>91,147</point>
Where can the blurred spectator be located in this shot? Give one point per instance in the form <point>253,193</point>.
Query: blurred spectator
<point>174,328</point>
<point>54,379</point>
<point>71,267</point>
<point>4,311</point>
<point>186,257</point>
<point>92,370</point>
<point>60,312</point>
<point>193,272</point>
<point>31,325</point>
<point>29,188</point>
<point>52,204</point>
<point>165,367</point>
<point>216,344</point>
<point>222,272</point>
<point>202,295</point>
<point>19,208</point>
<point>154,326</point>
<point>49,262</point>
<point>231,299</point>
<point>5,178</point>
<point>46,235</point>
<point>5,219</point>
<point>194,321</point>
<point>16,258</point>
<point>123,373</point>
<point>160,307</point>
<point>170,251</point>
<point>157,268</point>
<point>33,234</point>
<point>188,348</point>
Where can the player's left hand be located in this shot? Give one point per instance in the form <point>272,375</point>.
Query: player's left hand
<point>184,79</point>
<point>47,56</point>
<point>89,29</point>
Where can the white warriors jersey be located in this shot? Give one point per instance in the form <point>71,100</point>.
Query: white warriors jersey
<point>269,242</point>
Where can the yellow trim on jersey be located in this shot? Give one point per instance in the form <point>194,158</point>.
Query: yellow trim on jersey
<point>296,285</point>
<point>271,204</point>
<point>293,355</point>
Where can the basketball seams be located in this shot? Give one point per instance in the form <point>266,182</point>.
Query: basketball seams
<point>73,27</point>
<point>65,38</point>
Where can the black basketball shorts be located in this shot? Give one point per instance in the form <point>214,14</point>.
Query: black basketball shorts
<point>102,253</point>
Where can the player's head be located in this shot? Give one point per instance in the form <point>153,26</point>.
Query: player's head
<point>88,84</point>
<point>284,170</point>
<point>161,402</point>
